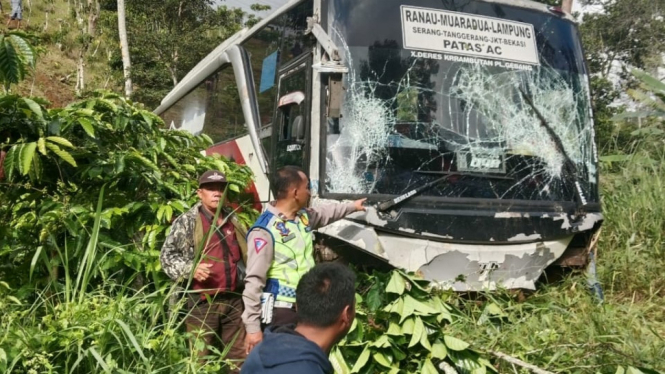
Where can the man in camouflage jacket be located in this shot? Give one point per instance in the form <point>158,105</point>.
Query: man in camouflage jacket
<point>214,262</point>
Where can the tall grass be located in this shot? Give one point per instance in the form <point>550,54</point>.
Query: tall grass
<point>88,326</point>
<point>561,327</point>
<point>632,246</point>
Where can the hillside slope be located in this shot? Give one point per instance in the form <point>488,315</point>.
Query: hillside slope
<point>57,40</point>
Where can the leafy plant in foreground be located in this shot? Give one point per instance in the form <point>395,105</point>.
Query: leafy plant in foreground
<point>56,163</point>
<point>400,327</point>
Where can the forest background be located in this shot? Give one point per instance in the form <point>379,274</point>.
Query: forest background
<point>80,285</point>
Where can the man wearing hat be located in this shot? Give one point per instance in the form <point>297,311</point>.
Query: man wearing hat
<point>214,293</point>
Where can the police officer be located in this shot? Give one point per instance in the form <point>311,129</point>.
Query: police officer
<point>281,250</point>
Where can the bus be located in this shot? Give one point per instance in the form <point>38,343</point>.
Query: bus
<point>467,125</point>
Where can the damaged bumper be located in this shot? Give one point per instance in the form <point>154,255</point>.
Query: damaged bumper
<point>466,267</point>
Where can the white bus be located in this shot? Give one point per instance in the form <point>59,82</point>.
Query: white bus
<point>466,123</point>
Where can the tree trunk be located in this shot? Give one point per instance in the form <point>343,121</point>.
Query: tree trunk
<point>93,15</point>
<point>124,48</point>
<point>567,6</point>
<point>80,81</point>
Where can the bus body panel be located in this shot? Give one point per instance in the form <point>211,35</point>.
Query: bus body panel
<point>462,242</point>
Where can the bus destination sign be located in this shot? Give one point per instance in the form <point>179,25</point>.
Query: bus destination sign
<point>469,35</point>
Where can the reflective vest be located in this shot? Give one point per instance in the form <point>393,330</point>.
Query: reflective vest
<point>293,244</point>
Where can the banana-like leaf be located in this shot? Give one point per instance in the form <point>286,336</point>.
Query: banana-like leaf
<point>651,83</point>
<point>646,99</point>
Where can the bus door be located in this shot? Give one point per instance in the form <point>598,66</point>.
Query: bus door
<point>291,135</point>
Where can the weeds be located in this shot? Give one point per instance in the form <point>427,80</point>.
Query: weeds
<point>561,327</point>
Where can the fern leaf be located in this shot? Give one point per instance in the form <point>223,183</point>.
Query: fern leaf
<point>64,155</point>
<point>27,153</point>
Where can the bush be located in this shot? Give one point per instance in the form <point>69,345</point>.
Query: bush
<point>56,164</point>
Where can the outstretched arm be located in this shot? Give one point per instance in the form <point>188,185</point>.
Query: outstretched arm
<point>326,214</point>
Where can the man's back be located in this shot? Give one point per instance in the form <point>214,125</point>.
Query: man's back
<point>283,350</point>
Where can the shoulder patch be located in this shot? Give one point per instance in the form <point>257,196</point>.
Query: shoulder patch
<point>304,219</point>
<point>259,244</point>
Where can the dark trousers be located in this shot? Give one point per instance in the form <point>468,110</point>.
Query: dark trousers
<point>219,321</point>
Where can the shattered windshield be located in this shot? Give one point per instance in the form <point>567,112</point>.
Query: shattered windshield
<point>433,90</point>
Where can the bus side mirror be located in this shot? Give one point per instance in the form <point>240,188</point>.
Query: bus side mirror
<point>298,129</point>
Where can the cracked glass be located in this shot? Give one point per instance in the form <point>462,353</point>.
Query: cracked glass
<point>411,116</point>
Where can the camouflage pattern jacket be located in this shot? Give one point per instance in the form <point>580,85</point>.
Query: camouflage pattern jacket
<point>177,256</point>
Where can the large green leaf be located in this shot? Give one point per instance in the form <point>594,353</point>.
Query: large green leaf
<point>396,284</point>
<point>64,155</point>
<point>86,124</point>
<point>361,361</point>
<point>338,362</point>
<point>60,140</point>
<point>428,367</point>
<point>27,153</point>
<point>455,344</point>
<point>12,68</point>
<point>24,48</point>
<point>418,331</point>
<point>439,350</point>
<point>41,145</point>
<point>382,359</point>
<point>34,107</point>
<point>11,164</point>
<point>16,57</point>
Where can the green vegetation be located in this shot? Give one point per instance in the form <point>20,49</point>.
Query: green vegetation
<point>88,192</point>
<point>402,327</point>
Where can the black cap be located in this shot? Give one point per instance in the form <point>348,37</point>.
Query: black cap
<point>212,176</point>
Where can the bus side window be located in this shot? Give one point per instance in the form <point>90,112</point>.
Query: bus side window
<point>290,144</point>
<point>212,108</point>
<point>224,117</point>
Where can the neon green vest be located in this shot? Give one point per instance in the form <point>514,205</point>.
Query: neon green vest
<point>294,253</point>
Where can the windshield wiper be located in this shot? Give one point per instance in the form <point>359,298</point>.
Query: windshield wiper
<point>569,166</point>
<point>387,204</point>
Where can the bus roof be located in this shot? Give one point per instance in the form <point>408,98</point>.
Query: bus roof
<point>211,61</point>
